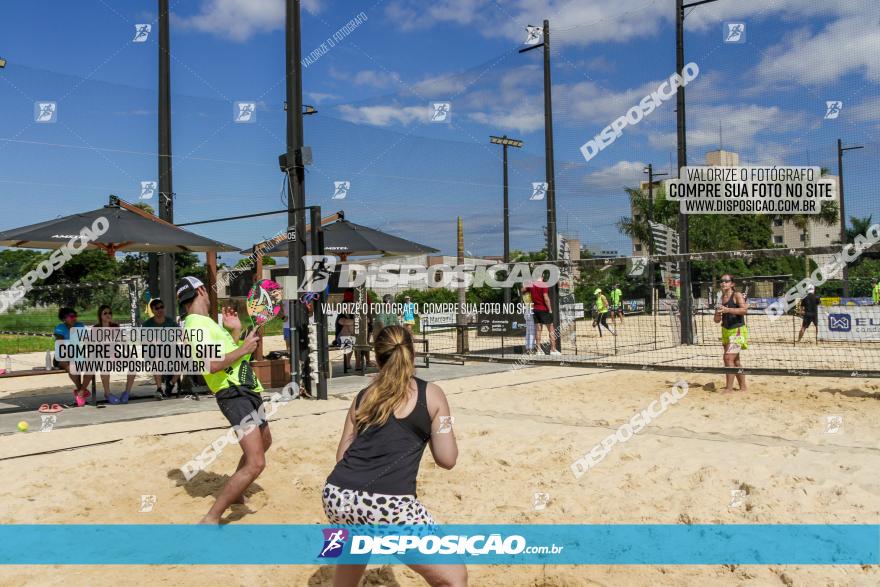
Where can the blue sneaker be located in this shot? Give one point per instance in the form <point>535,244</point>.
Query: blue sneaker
<point>113,399</point>
<point>124,398</point>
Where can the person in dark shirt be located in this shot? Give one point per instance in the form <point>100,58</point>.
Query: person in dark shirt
<point>543,313</point>
<point>810,312</point>
<point>731,314</point>
<point>164,383</point>
<point>387,428</point>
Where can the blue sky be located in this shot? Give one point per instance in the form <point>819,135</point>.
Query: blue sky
<point>764,98</point>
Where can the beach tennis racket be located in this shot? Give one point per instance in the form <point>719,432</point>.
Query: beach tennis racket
<point>264,302</point>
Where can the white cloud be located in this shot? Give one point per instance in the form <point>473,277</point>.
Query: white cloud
<point>847,46</point>
<point>584,22</point>
<point>239,20</point>
<point>615,177</point>
<point>319,97</point>
<point>867,111</point>
<point>740,125</point>
<point>384,115</point>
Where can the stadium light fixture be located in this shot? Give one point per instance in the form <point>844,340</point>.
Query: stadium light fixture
<point>308,109</point>
<point>505,142</point>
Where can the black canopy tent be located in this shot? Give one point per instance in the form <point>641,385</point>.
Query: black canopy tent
<point>129,229</point>
<point>345,238</point>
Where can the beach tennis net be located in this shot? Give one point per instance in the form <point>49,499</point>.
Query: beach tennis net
<point>646,330</point>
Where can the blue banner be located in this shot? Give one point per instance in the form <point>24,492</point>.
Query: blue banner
<point>622,544</point>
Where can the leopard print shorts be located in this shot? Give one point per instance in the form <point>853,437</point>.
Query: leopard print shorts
<point>345,506</point>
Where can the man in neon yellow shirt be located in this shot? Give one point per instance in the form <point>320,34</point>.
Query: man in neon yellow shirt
<point>233,383</point>
<point>601,312</point>
<point>875,292</point>
<point>616,305</point>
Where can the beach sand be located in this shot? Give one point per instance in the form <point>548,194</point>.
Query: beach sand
<point>518,432</point>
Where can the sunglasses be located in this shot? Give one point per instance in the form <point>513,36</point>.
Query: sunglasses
<point>157,308</point>
<point>726,281</point>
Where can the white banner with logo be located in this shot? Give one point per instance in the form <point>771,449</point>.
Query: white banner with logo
<point>438,321</point>
<point>854,323</point>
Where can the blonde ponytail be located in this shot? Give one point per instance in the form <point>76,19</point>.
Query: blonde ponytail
<point>396,358</point>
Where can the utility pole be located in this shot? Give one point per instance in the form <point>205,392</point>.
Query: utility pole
<point>687,334</point>
<point>165,265</point>
<point>506,142</point>
<point>840,150</point>
<point>552,244</point>
<point>296,200</point>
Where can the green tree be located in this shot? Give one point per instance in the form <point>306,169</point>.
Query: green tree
<point>858,226</point>
<point>13,263</point>
<point>661,210</point>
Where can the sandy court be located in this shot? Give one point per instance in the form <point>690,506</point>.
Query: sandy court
<point>518,434</point>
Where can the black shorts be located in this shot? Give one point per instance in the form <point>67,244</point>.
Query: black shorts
<point>237,402</point>
<point>810,319</point>
<point>543,317</point>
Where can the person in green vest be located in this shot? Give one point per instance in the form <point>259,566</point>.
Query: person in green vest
<point>616,305</point>
<point>602,312</point>
<point>875,291</point>
<point>234,384</point>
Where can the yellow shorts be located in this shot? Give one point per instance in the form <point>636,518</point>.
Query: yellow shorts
<point>738,336</point>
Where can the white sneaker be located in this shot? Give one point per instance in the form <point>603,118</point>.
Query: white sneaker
<point>555,353</point>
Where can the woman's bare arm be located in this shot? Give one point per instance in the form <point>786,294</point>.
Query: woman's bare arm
<point>349,433</point>
<point>742,307</point>
<point>443,446</point>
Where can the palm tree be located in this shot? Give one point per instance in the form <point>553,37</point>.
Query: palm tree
<point>661,211</point>
<point>858,226</point>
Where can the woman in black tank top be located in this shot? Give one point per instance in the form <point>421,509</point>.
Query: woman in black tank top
<point>386,431</point>
<point>731,313</point>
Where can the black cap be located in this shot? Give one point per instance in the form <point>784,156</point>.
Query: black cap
<point>186,289</point>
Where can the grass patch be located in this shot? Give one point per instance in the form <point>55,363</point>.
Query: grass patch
<point>11,344</point>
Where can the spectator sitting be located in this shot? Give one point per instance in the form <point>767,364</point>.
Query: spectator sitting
<point>105,320</point>
<point>62,332</point>
<point>161,320</point>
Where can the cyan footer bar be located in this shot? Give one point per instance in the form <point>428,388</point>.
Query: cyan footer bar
<point>623,544</point>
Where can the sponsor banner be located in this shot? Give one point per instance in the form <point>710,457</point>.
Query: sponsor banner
<point>854,323</point>
<point>436,321</point>
<point>667,304</point>
<point>501,325</point>
<point>476,544</point>
<point>760,303</point>
<point>846,301</point>
<point>633,306</point>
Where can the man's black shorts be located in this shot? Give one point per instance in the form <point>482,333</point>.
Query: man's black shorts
<point>810,319</point>
<point>237,402</point>
<point>543,317</point>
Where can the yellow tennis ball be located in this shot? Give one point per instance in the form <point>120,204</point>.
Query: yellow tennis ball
<point>22,426</point>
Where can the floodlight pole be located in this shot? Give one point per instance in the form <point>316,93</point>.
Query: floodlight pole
<point>296,226</point>
<point>552,244</point>
<point>650,216</point>
<point>167,284</point>
<point>840,151</point>
<point>685,303</point>
<point>505,142</point>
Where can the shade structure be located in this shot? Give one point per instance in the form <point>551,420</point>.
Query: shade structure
<point>129,229</point>
<point>347,238</point>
